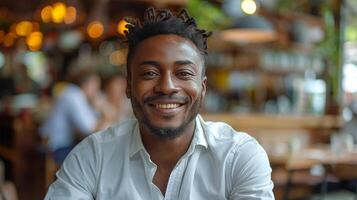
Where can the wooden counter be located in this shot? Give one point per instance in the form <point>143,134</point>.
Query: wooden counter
<point>259,121</point>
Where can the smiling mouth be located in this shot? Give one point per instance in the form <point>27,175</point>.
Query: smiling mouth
<point>167,106</point>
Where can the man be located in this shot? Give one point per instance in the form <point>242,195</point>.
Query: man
<point>73,113</point>
<point>169,152</point>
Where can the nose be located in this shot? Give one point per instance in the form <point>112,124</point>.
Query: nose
<point>166,84</point>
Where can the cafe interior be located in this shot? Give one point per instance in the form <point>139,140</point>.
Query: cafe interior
<point>284,71</point>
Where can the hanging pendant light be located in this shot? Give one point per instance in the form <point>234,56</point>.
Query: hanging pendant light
<point>247,27</point>
<point>250,29</point>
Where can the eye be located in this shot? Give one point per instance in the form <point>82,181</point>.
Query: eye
<point>149,74</point>
<point>185,74</point>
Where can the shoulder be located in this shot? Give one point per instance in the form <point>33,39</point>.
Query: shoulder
<point>223,134</point>
<point>235,147</point>
<point>71,93</point>
<point>112,139</point>
<point>248,172</point>
<point>116,136</point>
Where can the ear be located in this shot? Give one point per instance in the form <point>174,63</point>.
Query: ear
<point>128,87</point>
<point>204,86</point>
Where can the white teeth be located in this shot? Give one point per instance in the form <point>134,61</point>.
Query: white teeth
<point>167,106</point>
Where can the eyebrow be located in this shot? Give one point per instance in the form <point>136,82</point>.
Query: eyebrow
<point>155,63</point>
<point>149,62</point>
<point>184,62</point>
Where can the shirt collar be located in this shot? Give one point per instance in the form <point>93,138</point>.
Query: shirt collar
<point>136,143</point>
<point>199,137</point>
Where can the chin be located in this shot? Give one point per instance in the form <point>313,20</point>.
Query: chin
<point>167,130</point>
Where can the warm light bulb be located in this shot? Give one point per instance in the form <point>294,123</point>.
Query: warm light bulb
<point>46,14</point>
<point>249,7</point>
<point>95,29</point>
<point>121,26</point>
<point>34,41</point>
<point>58,12</point>
<point>23,28</point>
<point>71,15</point>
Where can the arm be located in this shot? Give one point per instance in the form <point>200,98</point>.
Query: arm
<point>84,116</point>
<point>251,173</point>
<point>77,177</point>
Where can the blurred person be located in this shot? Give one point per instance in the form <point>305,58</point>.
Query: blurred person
<point>74,114</point>
<point>116,104</point>
<point>168,151</point>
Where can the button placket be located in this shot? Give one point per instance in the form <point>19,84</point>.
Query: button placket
<point>175,178</point>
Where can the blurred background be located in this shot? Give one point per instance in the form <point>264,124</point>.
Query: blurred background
<point>284,71</point>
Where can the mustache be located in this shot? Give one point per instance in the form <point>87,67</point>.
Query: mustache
<point>165,97</point>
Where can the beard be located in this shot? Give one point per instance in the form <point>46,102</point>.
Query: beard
<point>165,132</point>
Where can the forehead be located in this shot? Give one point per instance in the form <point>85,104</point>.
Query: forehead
<point>168,47</point>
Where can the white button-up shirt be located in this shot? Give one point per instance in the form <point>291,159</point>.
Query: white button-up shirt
<point>72,112</point>
<point>113,164</point>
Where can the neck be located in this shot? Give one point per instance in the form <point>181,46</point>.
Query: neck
<point>166,152</point>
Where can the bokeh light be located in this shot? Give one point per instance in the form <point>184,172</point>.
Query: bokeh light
<point>249,7</point>
<point>34,41</point>
<point>24,28</point>
<point>58,12</point>
<point>95,29</point>
<point>46,14</point>
<point>71,15</point>
<point>121,26</point>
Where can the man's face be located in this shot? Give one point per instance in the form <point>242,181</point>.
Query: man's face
<point>166,84</point>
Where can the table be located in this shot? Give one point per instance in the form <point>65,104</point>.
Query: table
<point>333,163</point>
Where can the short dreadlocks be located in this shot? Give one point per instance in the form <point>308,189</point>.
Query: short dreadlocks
<point>158,22</point>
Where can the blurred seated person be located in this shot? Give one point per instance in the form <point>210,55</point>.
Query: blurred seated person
<point>116,104</point>
<point>73,114</point>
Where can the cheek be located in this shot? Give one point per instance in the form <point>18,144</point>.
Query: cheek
<point>140,89</point>
<point>194,91</point>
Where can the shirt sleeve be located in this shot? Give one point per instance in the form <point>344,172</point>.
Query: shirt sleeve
<point>82,114</point>
<point>251,173</point>
<point>76,179</point>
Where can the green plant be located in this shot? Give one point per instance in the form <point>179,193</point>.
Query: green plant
<point>207,15</point>
<point>330,48</point>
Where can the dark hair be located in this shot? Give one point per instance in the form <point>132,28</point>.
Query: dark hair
<point>159,22</point>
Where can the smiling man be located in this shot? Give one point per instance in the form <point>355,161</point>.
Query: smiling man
<point>168,151</point>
